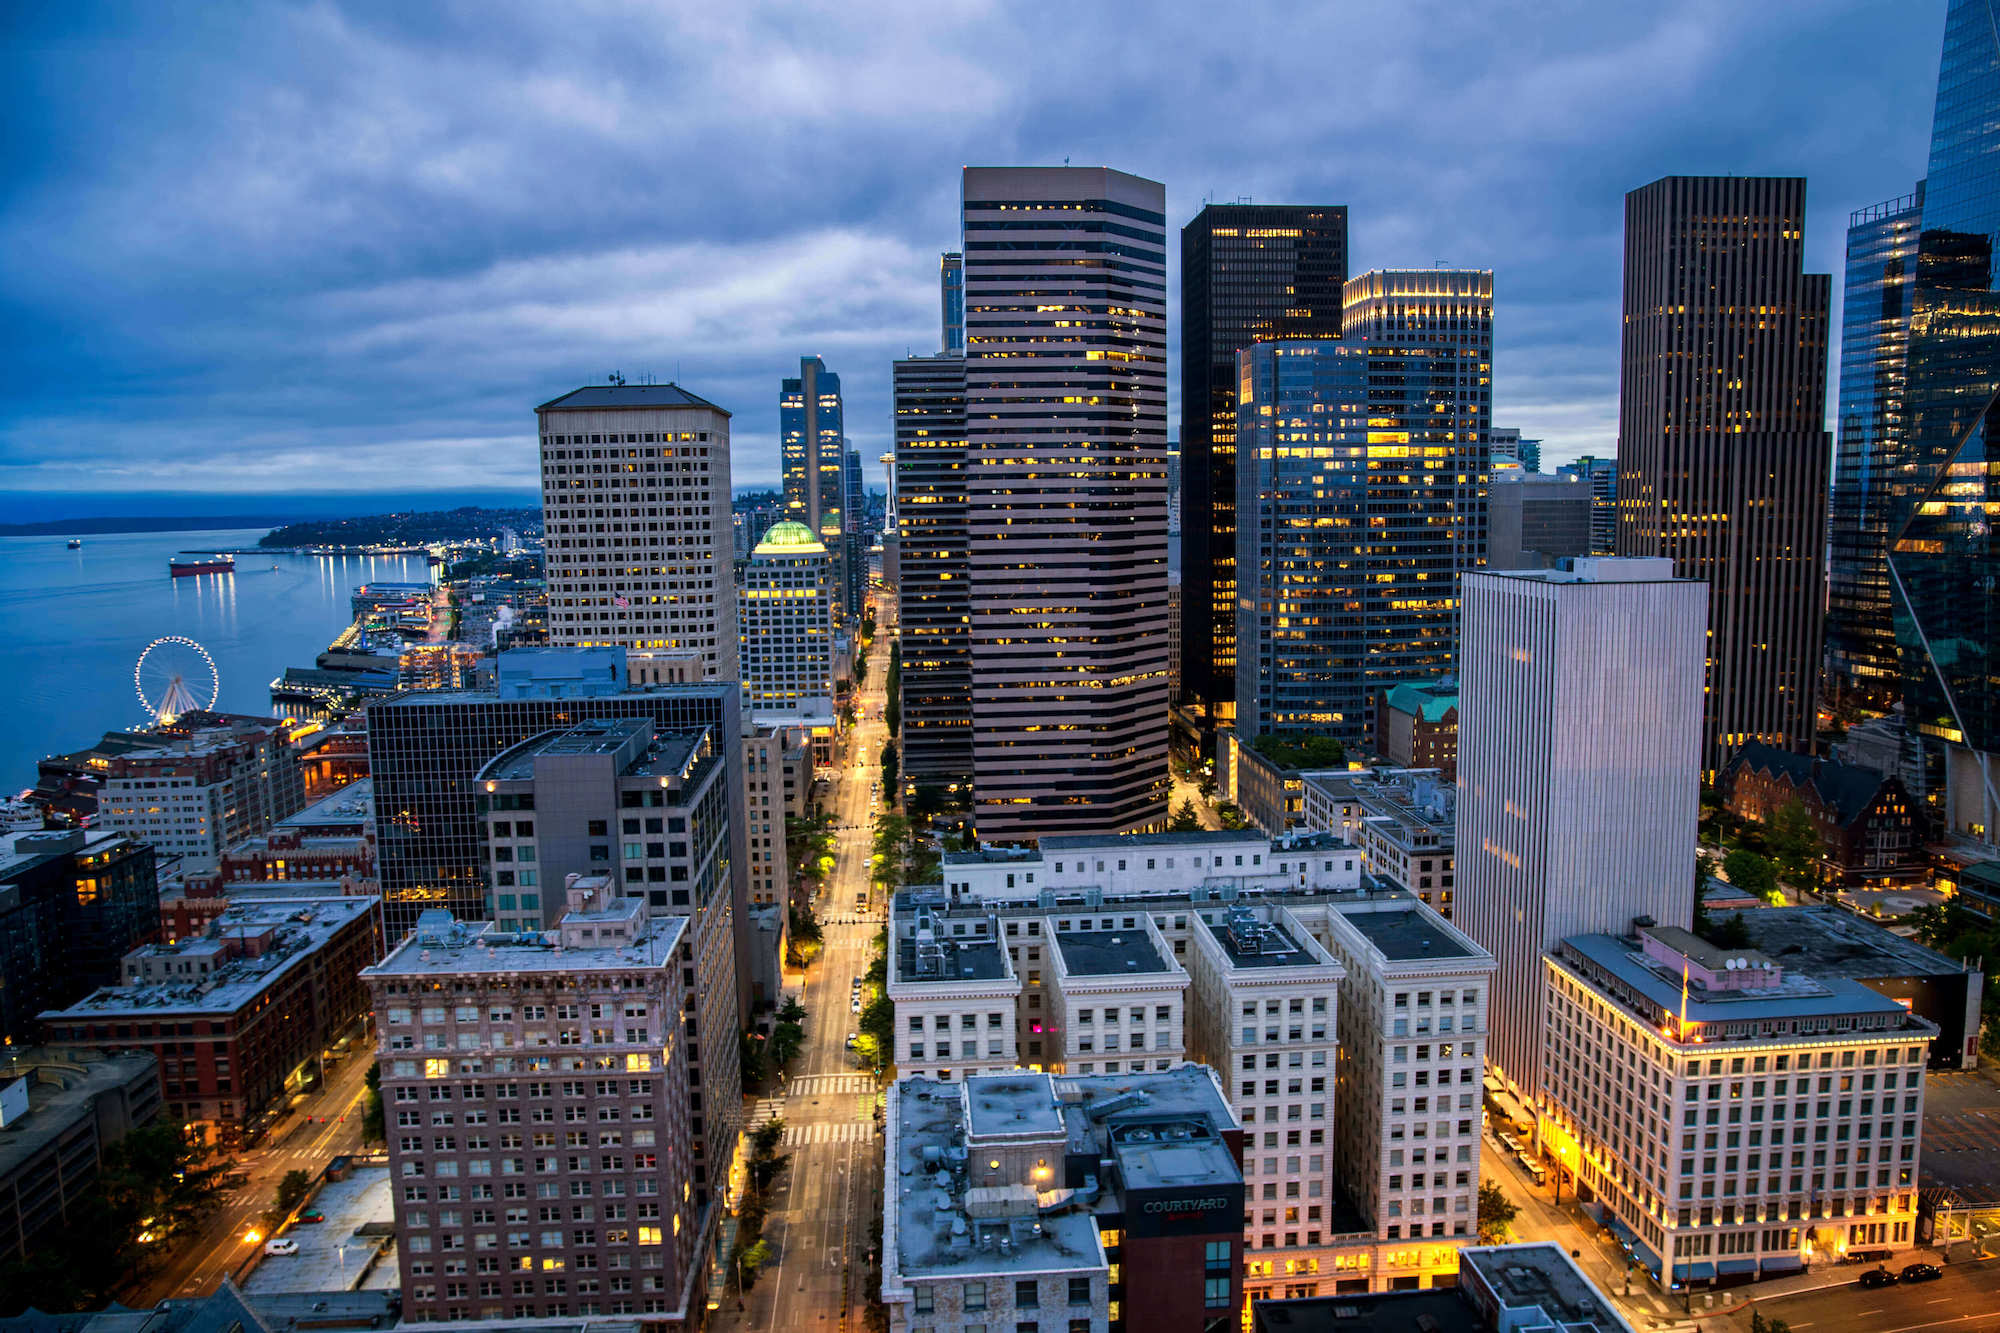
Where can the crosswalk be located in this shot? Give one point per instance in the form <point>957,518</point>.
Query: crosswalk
<point>767,1110</point>
<point>820,1085</point>
<point>847,1131</point>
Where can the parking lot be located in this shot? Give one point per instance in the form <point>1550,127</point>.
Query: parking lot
<point>331,1257</point>
<point>1962,1134</point>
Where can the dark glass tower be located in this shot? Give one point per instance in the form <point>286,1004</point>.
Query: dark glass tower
<point>933,594</point>
<point>1874,342</point>
<point>813,452</point>
<point>1722,443</point>
<point>1944,568</point>
<point>1249,273</point>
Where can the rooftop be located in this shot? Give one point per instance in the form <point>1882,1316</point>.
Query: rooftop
<point>1082,842</point>
<point>1830,942</point>
<point>1408,934</point>
<point>950,959</point>
<point>475,947</point>
<point>1427,699</point>
<point>597,396</point>
<point>1796,995</point>
<point>1005,1105</point>
<point>644,751</point>
<point>62,1086</point>
<point>1252,940</point>
<point>1540,1277</point>
<point>1172,1153</point>
<point>1846,789</point>
<point>1384,1312</point>
<point>1095,953</point>
<point>297,929</point>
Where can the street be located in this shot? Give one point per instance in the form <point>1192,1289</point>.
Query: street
<point>1963,1299</point>
<point>320,1128</point>
<point>822,1205</point>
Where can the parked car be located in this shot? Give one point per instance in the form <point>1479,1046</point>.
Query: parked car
<point>312,1215</point>
<point>1922,1272</point>
<point>281,1245</point>
<point>1878,1277</point>
<point>851,1039</point>
<point>235,1180</point>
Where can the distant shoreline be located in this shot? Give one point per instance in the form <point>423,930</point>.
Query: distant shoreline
<point>84,527</point>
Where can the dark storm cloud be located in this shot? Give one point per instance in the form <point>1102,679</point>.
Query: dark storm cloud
<point>340,246</point>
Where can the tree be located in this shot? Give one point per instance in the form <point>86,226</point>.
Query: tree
<point>752,1259</point>
<point>1750,872</point>
<point>1729,932</point>
<point>373,1126</point>
<point>787,1040</point>
<point>292,1190</point>
<point>1185,820</point>
<point>892,710</point>
<point>1704,871</point>
<point>1205,784</point>
<point>1795,843</point>
<point>878,1020</point>
<point>889,767</point>
<point>791,1011</point>
<point>750,1058</point>
<point>1496,1213</point>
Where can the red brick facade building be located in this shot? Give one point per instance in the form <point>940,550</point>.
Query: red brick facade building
<point>1865,818</point>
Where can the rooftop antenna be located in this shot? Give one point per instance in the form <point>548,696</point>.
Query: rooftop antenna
<point>1065,159</point>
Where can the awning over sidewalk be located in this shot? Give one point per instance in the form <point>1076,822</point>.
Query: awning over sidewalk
<point>1783,1263</point>
<point>1507,1104</point>
<point>1701,1272</point>
<point>1619,1229</point>
<point>1728,1266</point>
<point>1644,1254</point>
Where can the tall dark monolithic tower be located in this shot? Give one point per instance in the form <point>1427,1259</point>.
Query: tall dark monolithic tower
<point>1722,443</point>
<point>1250,273</point>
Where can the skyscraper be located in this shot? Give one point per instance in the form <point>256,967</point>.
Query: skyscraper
<point>1601,475</point>
<point>813,455</point>
<point>635,506</point>
<point>1065,376</point>
<point>787,600</point>
<point>1249,273</point>
<point>1579,701</point>
<point>933,596</point>
<point>1361,496</point>
<point>1874,348</point>
<point>1944,564</point>
<point>1722,446</point>
<point>951,294</point>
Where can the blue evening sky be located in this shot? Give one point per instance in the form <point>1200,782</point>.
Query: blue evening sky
<point>347,247</point>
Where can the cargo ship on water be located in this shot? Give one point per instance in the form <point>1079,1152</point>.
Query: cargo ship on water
<point>189,563</point>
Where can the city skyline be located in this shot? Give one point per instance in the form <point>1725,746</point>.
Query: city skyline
<point>448,254</point>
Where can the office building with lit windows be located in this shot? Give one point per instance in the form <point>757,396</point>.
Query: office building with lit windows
<point>786,601</point>
<point>1361,486</point>
<point>933,594</point>
<point>637,523</point>
<point>1722,444</point>
<point>536,1095</point>
<point>813,454</point>
<point>1601,475</point>
<point>1249,273</point>
<point>1735,1117</point>
<point>951,296</point>
<point>1882,245</point>
<point>1579,697</point>
<point>1066,507</point>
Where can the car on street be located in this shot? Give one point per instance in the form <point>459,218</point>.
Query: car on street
<point>312,1215</point>
<point>282,1245</point>
<point>851,1039</point>
<point>1878,1277</point>
<point>1922,1272</point>
<point>235,1180</point>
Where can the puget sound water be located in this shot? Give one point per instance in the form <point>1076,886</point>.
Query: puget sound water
<point>73,623</point>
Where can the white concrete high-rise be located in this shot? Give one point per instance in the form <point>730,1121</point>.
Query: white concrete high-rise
<point>1579,769</point>
<point>635,507</point>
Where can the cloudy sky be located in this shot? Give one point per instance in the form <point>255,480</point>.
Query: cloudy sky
<point>341,247</point>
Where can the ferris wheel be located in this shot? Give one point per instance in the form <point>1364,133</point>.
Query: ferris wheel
<point>175,675</point>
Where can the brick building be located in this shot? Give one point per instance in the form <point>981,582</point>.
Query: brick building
<point>239,1016</point>
<point>1416,725</point>
<point>1871,833</point>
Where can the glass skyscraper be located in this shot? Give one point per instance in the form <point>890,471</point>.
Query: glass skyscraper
<point>1874,341</point>
<point>1361,474</point>
<point>1942,558</point>
<point>813,453</point>
<point>951,295</point>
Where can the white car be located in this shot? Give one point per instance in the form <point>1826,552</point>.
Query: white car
<point>281,1245</point>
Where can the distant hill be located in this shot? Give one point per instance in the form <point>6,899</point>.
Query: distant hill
<point>407,529</point>
<point>78,527</point>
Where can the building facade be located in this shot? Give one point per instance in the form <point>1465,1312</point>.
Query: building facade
<point>951,302</point>
<point>1416,725</point>
<point>1361,476</point>
<point>1869,830</point>
<point>196,794</point>
<point>1601,475</point>
<point>1066,514</point>
<point>1532,520</point>
<point>1249,273</point>
<point>1882,246</point>
<point>73,903</point>
<point>59,1111</point>
<point>1942,559</point>
<point>238,1018</point>
<point>933,593</point>
<point>1578,770</point>
<point>637,523</point>
<point>1733,1116</point>
<point>787,600</point>
<point>536,1093</point>
<point>1722,443</point>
